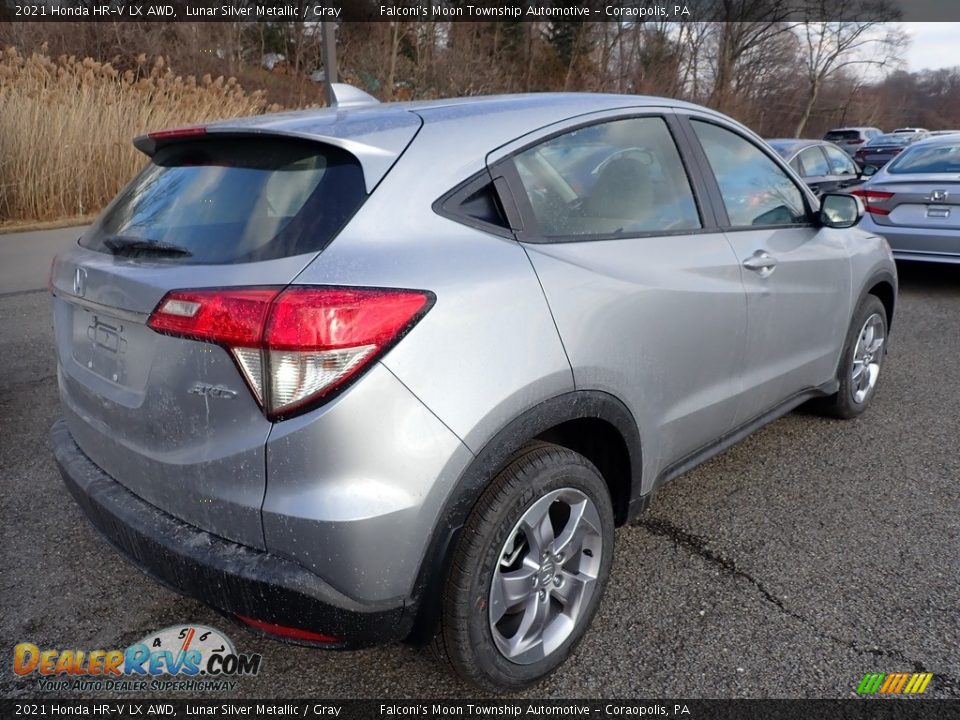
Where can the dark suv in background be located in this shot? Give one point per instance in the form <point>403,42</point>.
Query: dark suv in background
<point>850,139</point>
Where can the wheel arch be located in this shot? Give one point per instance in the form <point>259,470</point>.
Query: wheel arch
<point>595,424</point>
<point>883,286</point>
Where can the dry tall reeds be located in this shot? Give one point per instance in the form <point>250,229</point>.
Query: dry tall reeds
<point>66,126</point>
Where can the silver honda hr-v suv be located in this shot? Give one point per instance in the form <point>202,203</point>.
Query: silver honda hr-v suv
<point>397,371</point>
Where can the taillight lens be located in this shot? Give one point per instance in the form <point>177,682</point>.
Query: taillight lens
<point>871,198</point>
<point>296,346</point>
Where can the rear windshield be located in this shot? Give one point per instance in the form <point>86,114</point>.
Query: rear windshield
<point>893,139</point>
<point>835,135</point>
<point>939,159</point>
<point>233,200</point>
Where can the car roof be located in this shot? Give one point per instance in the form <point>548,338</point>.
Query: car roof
<point>536,109</point>
<point>843,129</point>
<point>935,140</point>
<point>378,133</point>
<point>787,147</point>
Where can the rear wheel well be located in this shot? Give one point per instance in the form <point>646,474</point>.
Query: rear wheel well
<point>603,445</point>
<point>884,292</point>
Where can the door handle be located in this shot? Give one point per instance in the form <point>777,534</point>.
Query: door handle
<point>761,262</point>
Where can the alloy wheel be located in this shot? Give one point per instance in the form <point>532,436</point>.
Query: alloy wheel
<point>545,576</point>
<point>866,358</point>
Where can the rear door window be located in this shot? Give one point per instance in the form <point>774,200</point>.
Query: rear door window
<point>814,162</point>
<point>840,162</point>
<point>623,177</point>
<point>225,201</point>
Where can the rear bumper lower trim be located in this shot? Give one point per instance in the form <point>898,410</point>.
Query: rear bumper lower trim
<point>231,578</point>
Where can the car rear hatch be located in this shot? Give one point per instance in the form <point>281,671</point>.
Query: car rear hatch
<point>846,139</point>
<point>882,152</point>
<point>171,418</point>
<point>917,201</point>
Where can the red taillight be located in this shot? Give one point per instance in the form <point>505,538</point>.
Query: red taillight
<point>175,133</point>
<point>298,345</point>
<point>290,633</point>
<point>870,197</point>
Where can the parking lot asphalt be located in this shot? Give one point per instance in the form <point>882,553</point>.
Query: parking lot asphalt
<point>813,552</point>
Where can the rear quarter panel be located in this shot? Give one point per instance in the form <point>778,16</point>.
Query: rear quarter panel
<point>486,352</point>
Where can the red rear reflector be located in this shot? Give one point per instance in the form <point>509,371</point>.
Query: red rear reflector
<point>870,197</point>
<point>290,633</point>
<point>174,133</point>
<point>298,345</point>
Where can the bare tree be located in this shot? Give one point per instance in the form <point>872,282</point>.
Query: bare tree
<point>744,27</point>
<point>831,47</point>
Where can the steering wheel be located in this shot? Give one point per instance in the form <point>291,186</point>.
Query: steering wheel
<point>637,153</point>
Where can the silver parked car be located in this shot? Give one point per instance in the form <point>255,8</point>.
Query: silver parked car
<point>397,371</point>
<point>851,139</point>
<point>914,201</point>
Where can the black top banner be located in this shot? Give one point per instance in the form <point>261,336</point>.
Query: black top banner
<point>477,10</point>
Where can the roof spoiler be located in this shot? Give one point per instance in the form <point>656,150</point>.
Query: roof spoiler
<point>348,96</point>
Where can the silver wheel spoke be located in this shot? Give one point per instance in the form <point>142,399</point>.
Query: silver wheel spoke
<point>509,589</point>
<point>531,627</point>
<point>571,538</point>
<point>857,370</point>
<point>572,588</point>
<point>538,529</point>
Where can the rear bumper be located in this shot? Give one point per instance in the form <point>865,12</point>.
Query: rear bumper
<point>231,578</point>
<point>917,243</point>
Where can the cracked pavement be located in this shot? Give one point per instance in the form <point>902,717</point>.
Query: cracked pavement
<point>811,553</point>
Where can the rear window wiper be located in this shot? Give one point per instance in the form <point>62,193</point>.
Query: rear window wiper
<point>126,245</point>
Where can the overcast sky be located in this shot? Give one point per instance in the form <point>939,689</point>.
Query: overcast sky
<point>933,45</point>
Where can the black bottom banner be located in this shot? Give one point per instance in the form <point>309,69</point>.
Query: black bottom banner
<point>852,709</point>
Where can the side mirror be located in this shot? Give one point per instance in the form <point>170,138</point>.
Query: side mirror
<point>869,170</point>
<point>838,210</point>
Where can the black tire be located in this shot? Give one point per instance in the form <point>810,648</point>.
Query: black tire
<point>466,638</point>
<point>844,403</point>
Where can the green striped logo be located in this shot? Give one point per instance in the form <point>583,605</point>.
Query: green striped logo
<point>894,683</point>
